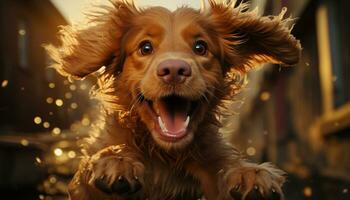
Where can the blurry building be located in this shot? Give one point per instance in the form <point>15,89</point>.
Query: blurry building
<point>35,102</point>
<point>29,89</point>
<point>299,118</point>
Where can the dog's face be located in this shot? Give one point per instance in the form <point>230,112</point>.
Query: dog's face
<point>173,63</point>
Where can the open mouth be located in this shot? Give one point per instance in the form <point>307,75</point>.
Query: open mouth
<point>172,116</point>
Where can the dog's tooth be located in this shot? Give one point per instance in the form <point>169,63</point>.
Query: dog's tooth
<point>160,121</point>
<point>161,124</point>
<point>187,121</point>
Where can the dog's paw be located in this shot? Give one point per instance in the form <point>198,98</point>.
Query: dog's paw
<point>252,182</point>
<point>116,172</point>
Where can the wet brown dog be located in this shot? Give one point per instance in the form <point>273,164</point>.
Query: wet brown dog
<point>166,76</point>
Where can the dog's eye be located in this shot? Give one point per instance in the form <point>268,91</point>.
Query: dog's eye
<point>146,48</point>
<point>200,47</point>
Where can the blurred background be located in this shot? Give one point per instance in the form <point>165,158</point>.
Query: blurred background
<point>296,117</point>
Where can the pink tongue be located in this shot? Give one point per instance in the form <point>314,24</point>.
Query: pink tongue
<point>174,119</point>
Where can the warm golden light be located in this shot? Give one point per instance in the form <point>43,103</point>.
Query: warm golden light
<point>251,151</point>
<point>71,154</point>
<point>22,31</point>
<point>72,87</point>
<point>85,121</point>
<point>74,127</point>
<point>68,95</point>
<point>83,86</point>
<point>49,100</point>
<point>4,83</point>
<point>24,142</point>
<point>59,102</point>
<point>265,96</point>
<point>53,179</point>
<point>37,120</point>
<point>46,125</point>
<point>58,152</point>
<point>308,191</point>
<point>325,59</point>
<point>38,160</point>
<point>52,85</point>
<point>74,105</point>
<point>56,131</point>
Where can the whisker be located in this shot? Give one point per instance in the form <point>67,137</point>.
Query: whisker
<point>137,101</point>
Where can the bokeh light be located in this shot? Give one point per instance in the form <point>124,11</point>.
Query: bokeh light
<point>37,120</point>
<point>4,83</point>
<point>59,102</point>
<point>265,96</point>
<point>58,152</point>
<point>251,151</point>
<point>46,125</point>
<point>56,131</point>
<point>307,191</point>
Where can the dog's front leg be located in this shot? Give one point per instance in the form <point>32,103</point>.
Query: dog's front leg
<point>112,173</point>
<point>225,176</point>
<point>207,177</point>
<point>249,181</point>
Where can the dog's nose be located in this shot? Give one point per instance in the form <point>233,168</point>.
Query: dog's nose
<point>174,71</point>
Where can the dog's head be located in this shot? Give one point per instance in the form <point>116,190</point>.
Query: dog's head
<point>174,63</point>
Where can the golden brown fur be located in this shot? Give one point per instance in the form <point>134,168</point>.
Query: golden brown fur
<point>127,143</point>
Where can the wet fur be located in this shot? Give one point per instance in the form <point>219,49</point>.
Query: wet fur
<point>205,164</point>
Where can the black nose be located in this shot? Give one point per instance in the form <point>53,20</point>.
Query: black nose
<point>174,71</point>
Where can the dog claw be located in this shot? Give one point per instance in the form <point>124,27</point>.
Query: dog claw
<point>237,187</point>
<point>121,186</point>
<point>235,194</point>
<point>256,187</point>
<point>275,195</point>
<point>102,185</point>
<point>136,187</point>
<point>254,194</point>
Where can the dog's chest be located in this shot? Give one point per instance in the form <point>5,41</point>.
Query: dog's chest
<point>168,182</point>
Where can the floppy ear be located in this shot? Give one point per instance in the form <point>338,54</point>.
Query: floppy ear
<point>248,39</point>
<point>87,47</point>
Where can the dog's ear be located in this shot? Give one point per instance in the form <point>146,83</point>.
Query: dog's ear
<point>248,39</point>
<point>87,47</point>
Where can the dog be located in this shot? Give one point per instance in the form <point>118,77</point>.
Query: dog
<point>163,78</point>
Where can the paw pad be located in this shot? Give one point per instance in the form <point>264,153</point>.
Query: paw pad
<point>121,186</point>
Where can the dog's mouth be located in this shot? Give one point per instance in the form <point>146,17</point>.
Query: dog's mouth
<point>172,116</point>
